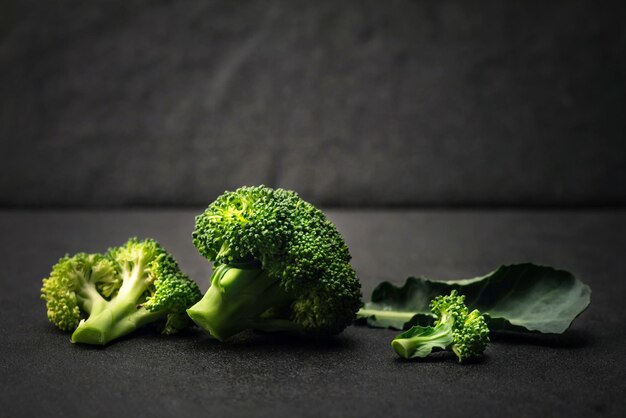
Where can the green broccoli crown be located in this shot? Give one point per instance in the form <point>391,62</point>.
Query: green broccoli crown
<point>448,307</point>
<point>127,287</point>
<point>466,334</point>
<point>293,242</point>
<point>471,337</point>
<point>73,282</point>
<point>167,288</point>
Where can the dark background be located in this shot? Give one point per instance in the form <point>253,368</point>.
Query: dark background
<point>512,113</point>
<point>364,103</point>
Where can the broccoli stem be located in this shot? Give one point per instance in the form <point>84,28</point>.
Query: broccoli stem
<point>134,282</point>
<point>237,299</point>
<point>113,322</point>
<point>382,315</point>
<point>92,301</point>
<point>120,316</point>
<point>420,341</point>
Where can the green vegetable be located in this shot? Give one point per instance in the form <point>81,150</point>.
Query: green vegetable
<point>279,265</point>
<point>520,297</point>
<point>128,287</point>
<point>464,333</point>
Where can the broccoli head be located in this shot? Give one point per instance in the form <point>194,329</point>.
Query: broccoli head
<point>464,333</point>
<point>279,265</point>
<point>102,297</point>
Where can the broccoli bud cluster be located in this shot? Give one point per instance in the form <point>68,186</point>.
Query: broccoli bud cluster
<point>456,329</point>
<point>102,297</point>
<point>289,266</point>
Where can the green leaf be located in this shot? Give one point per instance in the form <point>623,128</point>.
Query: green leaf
<point>519,297</point>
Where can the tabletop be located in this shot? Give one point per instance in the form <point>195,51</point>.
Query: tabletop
<point>579,373</point>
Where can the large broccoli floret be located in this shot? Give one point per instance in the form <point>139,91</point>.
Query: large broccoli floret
<point>279,265</point>
<point>126,288</point>
<point>466,334</point>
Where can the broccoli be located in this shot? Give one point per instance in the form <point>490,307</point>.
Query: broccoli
<point>279,265</point>
<point>466,334</point>
<point>126,288</point>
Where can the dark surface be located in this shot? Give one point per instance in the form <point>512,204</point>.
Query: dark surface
<point>580,373</point>
<point>355,103</point>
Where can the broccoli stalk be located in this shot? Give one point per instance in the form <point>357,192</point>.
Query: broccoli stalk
<point>465,334</point>
<point>236,301</point>
<point>130,286</point>
<point>279,265</point>
<point>421,341</point>
<point>121,315</point>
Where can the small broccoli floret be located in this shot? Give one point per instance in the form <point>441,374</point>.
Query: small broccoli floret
<point>279,265</point>
<point>103,297</point>
<point>466,334</point>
